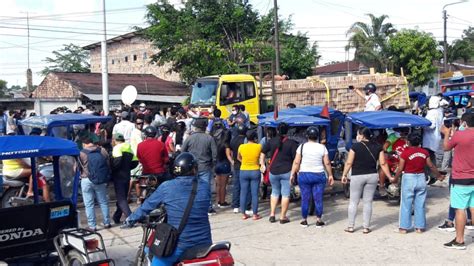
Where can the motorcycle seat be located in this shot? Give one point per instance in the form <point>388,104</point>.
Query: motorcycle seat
<point>201,251</point>
<point>12,183</point>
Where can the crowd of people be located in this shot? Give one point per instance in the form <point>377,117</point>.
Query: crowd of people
<point>139,142</point>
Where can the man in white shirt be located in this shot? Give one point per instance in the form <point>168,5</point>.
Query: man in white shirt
<point>372,101</point>
<point>125,127</point>
<point>431,134</point>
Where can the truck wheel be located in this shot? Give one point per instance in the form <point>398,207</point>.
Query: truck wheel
<point>74,258</point>
<point>9,193</point>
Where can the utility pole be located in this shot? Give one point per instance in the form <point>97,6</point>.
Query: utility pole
<point>277,38</point>
<point>445,44</point>
<point>105,77</point>
<point>29,74</point>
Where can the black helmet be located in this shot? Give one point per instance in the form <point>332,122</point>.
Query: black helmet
<point>185,164</point>
<point>241,130</point>
<point>150,131</point>
<point>312,133</point>
<point>370,87</point>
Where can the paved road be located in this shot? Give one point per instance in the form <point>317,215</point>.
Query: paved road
<point>262,243</point>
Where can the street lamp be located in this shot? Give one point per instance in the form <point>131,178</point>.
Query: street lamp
<point>445,44</point>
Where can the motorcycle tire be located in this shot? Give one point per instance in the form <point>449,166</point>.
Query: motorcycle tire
<point>8,194</point>
<point>74,258</point>
<point>140,256</point>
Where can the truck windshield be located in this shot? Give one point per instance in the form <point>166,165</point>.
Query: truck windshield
<point>204,92</point>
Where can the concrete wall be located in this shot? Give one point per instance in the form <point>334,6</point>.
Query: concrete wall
<point>131,56</point>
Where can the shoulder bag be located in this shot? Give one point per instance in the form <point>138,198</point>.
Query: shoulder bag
<point>372,155</point>
<point>266,175</point>
<point>166,236</point>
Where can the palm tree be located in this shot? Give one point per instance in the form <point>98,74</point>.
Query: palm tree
<point>371,41</point>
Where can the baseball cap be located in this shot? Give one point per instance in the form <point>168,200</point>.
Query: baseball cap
<point>119,137</point>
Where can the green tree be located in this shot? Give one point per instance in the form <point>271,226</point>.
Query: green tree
<point>3,88</point>
<point>215,36</point>
<point>462,48</point>
<point>415,51</point>
<point>71,58</point>
<point>371,41</point>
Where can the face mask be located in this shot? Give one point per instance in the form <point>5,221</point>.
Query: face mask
<point>234,112</point>
<point>462,127</point>
<point>367,93</point>
<point>142,109</point>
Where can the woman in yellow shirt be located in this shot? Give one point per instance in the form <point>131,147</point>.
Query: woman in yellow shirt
<point>248,155</point>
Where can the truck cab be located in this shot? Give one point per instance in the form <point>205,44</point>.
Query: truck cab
<point>224,91</point>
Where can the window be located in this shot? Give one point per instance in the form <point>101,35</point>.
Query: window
<point>126,59</point>
<point>134,57</point>
<point>145,55</point>
<point>113,61</point>
<point>234,92</point>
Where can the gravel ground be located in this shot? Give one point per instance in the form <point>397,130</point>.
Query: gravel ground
<point>263,243</point>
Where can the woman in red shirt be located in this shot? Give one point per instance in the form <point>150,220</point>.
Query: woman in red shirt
<point>413,189</point>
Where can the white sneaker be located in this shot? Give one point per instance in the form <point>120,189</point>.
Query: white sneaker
<point>236,210</point>
<point>249,212</point>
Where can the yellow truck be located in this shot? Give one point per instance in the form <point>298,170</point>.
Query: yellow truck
<point>225,91</point>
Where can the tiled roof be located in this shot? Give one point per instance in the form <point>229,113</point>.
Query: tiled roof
<point>91,83</point>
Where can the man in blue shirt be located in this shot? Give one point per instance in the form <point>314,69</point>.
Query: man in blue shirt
<point>174,194</point>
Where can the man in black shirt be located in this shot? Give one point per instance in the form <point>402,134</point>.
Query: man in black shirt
<point>231,153</point>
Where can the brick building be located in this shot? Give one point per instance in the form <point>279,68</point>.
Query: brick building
<point>129,53</point>
<point>75,89</point>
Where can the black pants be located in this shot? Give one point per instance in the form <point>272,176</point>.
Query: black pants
<point>121,192</point>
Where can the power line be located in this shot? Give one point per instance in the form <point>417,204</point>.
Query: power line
<point>60,27</point>
<point>61,31</point>
<point>49,38</point>
<point>73,14</point>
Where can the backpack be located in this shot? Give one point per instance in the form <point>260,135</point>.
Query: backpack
<point>219,132</point>
<point>99,171</point>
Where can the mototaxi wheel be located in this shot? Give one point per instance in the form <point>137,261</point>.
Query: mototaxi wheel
<point>8,194</point>
<point>74,258</point>
<point>347,190</point>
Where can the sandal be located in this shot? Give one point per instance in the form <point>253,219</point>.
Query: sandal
<point>419,230</point>
<point>349,230</point>
<point>402,231</point>
<point>285,220</point>
<point>245,217</point>
<point>272,219</point>
<point>256,217</point>
<point>366,231</point>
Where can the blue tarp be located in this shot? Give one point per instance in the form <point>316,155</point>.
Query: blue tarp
<point>305,110</point>
<point>294,120</point>
<point>13,147</point>
<point>50,121</point>
<point>458,93</point>
<point>387,119</point>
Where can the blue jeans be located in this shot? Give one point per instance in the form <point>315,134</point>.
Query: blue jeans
<point>280,185</point>
<point>249,180</point>
<point>236,188</point>
<point>90,192</point>
<point>413,194</point>
<point>312,183</point>
<point>167,261</point>
<point>207,176</point>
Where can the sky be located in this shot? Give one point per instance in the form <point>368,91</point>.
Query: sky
<point>54,23</point>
